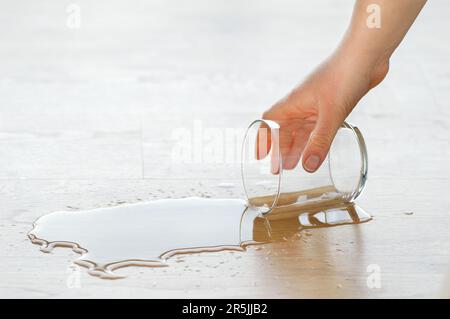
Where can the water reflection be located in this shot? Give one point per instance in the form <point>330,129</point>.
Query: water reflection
<point>147,234</point>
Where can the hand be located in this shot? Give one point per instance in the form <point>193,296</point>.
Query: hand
<point>311,114</point>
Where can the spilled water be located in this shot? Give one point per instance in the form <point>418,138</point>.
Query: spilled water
<point>147,234</point>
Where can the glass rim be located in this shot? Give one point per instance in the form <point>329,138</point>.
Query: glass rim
<point>272,126</point>
<point>363,171</point>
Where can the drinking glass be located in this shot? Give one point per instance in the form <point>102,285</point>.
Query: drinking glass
<point>274,179</point>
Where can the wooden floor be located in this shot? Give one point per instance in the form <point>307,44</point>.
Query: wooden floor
<point>87,118</point>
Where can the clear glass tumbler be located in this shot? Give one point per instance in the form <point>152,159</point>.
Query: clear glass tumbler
<point>274,179</point>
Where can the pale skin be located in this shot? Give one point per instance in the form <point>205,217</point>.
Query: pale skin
<point>310,115</point>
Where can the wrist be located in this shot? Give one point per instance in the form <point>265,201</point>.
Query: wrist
<point>370,63</point>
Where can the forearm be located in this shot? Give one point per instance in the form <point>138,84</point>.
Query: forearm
<point>375,39</point>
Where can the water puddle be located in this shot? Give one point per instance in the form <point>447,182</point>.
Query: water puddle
<point>150,233</point>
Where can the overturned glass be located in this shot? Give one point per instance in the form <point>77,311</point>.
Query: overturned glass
<point>274,179</point>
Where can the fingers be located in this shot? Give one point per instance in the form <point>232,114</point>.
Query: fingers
<point>300,138</point>
<point>263,142</point>
<point>267,143</point>
<point>278,143</point>
<point>320,141</point>
<point>275,159</point>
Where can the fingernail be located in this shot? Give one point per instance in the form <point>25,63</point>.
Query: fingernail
<point>312,163</point>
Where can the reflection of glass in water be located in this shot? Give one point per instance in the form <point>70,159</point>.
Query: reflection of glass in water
<point>270,229</point>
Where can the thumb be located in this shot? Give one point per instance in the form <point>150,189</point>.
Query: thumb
<point>319,142</point>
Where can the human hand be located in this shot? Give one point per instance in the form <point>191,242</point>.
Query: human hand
<point>311,114</point>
